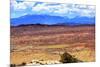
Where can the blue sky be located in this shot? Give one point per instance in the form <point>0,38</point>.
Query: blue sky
<point>70,10</point>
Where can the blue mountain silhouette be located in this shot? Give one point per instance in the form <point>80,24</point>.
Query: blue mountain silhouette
<point>51,20</point>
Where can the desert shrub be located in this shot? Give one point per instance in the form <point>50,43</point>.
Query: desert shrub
<point>23,64</point>
<point>67,58</point>
<point>12,65</point>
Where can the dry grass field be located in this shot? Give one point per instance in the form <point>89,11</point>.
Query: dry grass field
<point>48,42</point>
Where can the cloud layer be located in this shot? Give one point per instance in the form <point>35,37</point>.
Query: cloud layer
<point>19,9</point>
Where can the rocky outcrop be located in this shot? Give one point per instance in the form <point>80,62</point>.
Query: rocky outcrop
<point>42,62</point>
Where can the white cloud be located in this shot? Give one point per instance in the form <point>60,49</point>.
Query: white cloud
<point>88,2</point>
<point>87,13</point>
<point>22,5</point>
<point>68,10</point>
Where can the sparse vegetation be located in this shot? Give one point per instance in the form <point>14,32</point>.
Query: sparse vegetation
<point>67,58</point>
<point>23,64</point>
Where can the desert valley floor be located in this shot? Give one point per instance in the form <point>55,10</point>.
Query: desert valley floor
<point>43,42</point>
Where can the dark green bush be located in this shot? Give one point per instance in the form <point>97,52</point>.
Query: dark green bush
<point>67,58</point>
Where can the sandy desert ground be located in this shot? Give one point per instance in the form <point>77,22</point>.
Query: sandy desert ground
<point>42,42</point>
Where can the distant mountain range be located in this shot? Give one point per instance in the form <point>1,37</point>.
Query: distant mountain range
<point>51,20</point>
